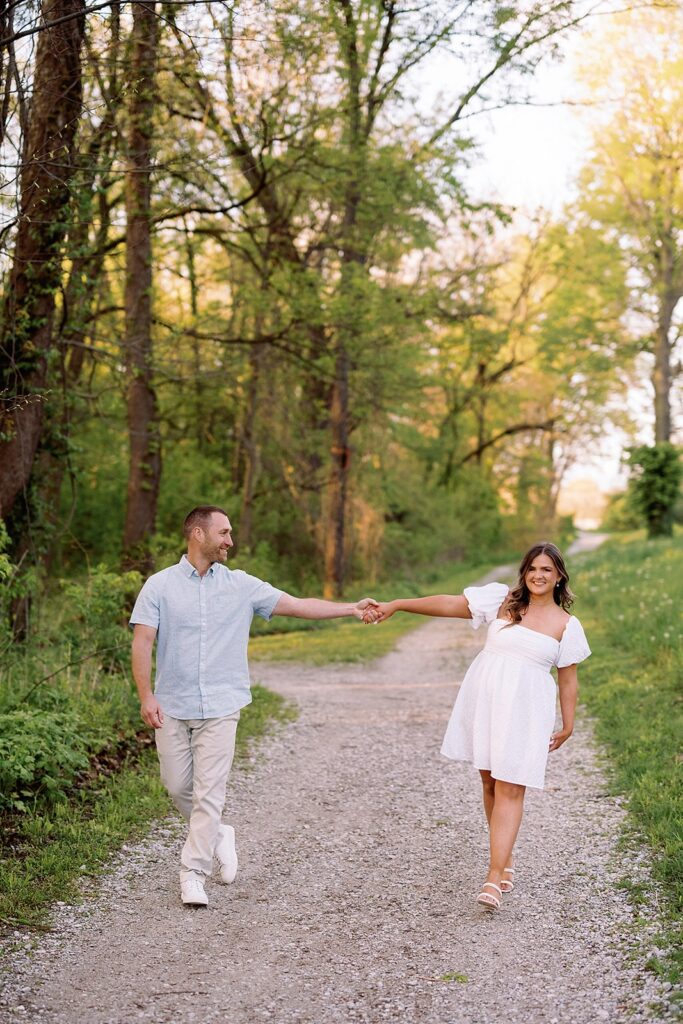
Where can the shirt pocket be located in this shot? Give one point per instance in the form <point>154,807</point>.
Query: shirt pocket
<point>226,609</point>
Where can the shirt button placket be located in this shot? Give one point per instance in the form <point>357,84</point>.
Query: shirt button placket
<point>202,641</point>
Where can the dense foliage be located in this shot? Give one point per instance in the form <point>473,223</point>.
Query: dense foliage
<point>271,289</point>
<point>655,485</point>
<point>68,696</point>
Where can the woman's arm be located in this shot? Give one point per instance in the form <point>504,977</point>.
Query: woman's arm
<point>443,605</point>
<point>568,682</point>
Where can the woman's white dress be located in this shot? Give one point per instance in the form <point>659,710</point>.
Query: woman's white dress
<point>504,713</point>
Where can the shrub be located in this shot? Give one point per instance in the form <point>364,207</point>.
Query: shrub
<point>621,516</point>
<point>41,752</point>
<point>97,613</point>
<point>654,485</point>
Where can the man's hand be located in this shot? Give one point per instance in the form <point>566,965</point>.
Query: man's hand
<point>364,610</point>
<point>151,712</point>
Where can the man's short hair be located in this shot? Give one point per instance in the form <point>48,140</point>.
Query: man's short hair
<point>200,516</point>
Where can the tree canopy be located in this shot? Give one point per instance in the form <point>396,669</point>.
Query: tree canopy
<point>242,265</point>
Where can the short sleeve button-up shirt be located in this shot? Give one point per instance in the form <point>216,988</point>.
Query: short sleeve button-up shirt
<point>202,625</point>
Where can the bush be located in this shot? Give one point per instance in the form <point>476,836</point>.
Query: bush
<point>428,526</point>
<point>621,516</point>
<point>41,752</point>
<point>654,485</point>
<point>98,612</point>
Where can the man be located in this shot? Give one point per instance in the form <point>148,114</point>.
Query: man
<point>199,612</point>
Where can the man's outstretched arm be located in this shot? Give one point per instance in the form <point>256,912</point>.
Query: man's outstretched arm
<point>316,608</point>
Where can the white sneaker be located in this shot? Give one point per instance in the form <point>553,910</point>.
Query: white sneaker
<point>226,854</point>
<point>192,893</point>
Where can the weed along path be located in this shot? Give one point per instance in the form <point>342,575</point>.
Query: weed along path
<point>361,852</point>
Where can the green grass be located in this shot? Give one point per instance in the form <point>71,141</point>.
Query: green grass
<point>342,640</point>
<point>631,601</point>
<point>52,849</point>
<point>345,641</point>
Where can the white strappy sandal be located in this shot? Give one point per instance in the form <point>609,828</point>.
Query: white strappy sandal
<point>487,899</point>
<point>508,884</point>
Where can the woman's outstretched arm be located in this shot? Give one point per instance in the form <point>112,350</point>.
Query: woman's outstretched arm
<point>453,606</point>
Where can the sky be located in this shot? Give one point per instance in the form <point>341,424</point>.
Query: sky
<point>530,155</point>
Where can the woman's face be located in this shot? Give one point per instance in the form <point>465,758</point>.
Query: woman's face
<point>541,576</point>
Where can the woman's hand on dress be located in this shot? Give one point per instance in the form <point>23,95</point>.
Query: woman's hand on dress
<point>558,738</point>
<point>380,613</point>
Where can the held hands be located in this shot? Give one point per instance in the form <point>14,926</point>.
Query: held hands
<point>558,738</point>
<point>151,712</point>
<point>365,607</point>
<point>380,612</point>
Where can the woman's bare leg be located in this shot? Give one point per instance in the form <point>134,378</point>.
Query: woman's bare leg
<point>488,792</point>
<point>506,817</point>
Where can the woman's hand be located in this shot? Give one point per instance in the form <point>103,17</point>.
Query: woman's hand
<point>380,613</point>
<point>558,738</point>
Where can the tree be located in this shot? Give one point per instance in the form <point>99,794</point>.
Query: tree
<point>143,420</point>
<point>531,362</point>
<point>327,154</point>
<point>46,172</point>
<point>297,197</point>
<point>633,185</point>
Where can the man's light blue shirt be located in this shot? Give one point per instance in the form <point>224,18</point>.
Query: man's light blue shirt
<point>202,625</point>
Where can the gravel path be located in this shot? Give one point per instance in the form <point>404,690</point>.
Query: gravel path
<point>361,853</point>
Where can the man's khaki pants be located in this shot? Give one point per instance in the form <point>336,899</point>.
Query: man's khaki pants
<point>195,756</point>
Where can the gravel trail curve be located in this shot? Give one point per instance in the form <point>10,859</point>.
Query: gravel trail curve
<point>361,851</point>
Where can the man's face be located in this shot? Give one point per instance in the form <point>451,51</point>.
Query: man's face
<point>216,539</point>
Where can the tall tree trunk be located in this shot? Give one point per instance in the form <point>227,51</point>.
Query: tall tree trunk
<point>337,490</point>
<point>354,261</point>
<point>47,169</point>
<point>249,445</point>
<point>5,86</point>
<point>199,409</point>
<point>661,373</point>
<point>143,419</point>
<point>480,411</point>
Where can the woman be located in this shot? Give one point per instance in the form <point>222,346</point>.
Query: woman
<point>504,714</point>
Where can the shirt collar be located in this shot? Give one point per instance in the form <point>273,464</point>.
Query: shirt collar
<point>189,570</point>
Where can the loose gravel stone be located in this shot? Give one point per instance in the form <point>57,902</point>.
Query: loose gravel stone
<point>361,853</point>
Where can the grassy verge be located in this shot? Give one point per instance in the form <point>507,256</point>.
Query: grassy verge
<point>48,850</point>
<point>631,600</point>
<point>342,640</point>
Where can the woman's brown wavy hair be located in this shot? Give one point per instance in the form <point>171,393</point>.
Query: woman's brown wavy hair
<point>518,598</point>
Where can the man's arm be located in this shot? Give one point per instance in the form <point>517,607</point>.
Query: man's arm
<point>143,644</point>
<point>316,608</point>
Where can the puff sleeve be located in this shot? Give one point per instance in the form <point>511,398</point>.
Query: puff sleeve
<point>573,646</point>
<point>485,601</point>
